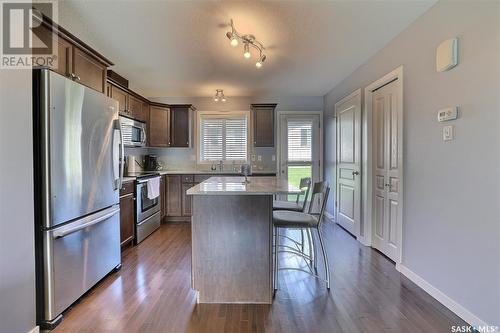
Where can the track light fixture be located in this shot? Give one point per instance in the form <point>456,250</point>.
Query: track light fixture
<point>219,95</point>
<point>248,40</point>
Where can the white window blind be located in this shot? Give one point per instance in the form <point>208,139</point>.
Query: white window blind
<point>223,138</point>
<point>299,140</point>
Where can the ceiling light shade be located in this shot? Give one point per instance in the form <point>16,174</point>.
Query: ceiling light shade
<point>246,52</point>
<point>261,60</point>
<point>219,95</point>
<point>233,38</point>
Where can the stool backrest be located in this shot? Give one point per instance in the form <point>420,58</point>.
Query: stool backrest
<point>319,189</point>
<point>305,183</point>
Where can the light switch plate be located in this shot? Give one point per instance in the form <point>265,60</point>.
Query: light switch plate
<point>448,133</point>
<point>273,158</point>
<point>253,158</point>
<point>448,114</point>
<point>259,158</point>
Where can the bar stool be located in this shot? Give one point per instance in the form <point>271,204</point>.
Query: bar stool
<point>296,206</point>
<point>305,183</point>
<point>310,221</point>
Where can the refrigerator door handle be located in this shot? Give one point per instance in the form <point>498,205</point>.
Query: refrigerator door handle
<point>85,222</point>
<point>118,155</point>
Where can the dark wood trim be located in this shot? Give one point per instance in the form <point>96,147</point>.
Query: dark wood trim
<point>268,105</point>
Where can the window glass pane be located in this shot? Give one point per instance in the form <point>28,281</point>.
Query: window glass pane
<point>236,139</point>
<point>223,138</point>
<point>299,140</point>
<point>295,174</point>
<point>211,139</point>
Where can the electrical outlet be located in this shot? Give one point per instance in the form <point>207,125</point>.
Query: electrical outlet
<point>273,158</point>
<point>253,158</point>
<point>448,133</point>
<point>259,158</point>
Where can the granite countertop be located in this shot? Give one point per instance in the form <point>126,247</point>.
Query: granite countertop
<point>237,186</point>
<point>199,172</point>
<point>208,172</point>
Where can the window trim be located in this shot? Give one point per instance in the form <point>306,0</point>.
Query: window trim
<point>221,114</point>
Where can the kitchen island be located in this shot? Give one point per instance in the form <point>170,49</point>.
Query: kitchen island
<point>231,229</point>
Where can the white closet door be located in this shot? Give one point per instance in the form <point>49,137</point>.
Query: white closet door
<point>348,201</point>
<point>386,128</point>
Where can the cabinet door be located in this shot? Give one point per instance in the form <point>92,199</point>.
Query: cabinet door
<point>179,127</point>
<point>126,218</point>
<point>163,194</point>
<point>62,65</point>
<point>144,112</point>
<point>135,107</point>
<point>186,199</point>
<point>263,127</point>
<point>88,70</point>
<point>159,129</point>
<point>121,96</point>
<point>174,196</point>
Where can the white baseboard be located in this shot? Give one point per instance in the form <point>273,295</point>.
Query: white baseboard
<point>35,329</point>
<point>441,297</point>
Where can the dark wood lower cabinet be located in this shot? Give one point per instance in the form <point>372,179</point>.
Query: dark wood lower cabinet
<point>186,200</point>
<point>127,204</point>
<point>163,193</point>
<point>174,196</point>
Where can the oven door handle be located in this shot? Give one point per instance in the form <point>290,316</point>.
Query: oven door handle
<point>85,222</point>
<point>145,180</point>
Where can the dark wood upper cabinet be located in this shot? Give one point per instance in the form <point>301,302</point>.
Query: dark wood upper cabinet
<point>159,126</point>
<point>88,71</point>
<point>121,96</point>
<point>180,125</point>
<point>263,125</point>
<point>145,111</point>
<point>135,107</point>
<point>174,195</point>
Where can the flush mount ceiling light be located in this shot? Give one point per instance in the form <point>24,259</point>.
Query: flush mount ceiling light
<point>219,95</point>
<point>248,41</point>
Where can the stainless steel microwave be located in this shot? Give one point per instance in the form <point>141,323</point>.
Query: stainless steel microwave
<point>133,131</point>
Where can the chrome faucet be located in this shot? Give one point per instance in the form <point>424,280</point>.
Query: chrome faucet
<point>221,165</point>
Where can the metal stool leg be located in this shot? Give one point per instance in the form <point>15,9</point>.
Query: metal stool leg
<point>315,252</point>
<point>325,258</point>
<point>276,240</point>
<point>302,240</point>
<point>310,246</point>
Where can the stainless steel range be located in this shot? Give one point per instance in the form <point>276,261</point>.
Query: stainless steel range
<point>147,207</point>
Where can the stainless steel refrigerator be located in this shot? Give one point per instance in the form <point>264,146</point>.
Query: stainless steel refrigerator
<point>77,152</point>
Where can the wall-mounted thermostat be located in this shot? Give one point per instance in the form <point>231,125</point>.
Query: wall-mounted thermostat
<point>448,114</point>
<point>447,55</point>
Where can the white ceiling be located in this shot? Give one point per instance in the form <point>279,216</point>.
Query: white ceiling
<point>179,48</point>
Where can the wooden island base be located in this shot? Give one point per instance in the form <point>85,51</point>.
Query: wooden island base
<point>232,248</point>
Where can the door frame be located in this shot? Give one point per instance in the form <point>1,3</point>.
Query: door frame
<point>278,137</point>
<point>367,158</point>
<point>336,209</point>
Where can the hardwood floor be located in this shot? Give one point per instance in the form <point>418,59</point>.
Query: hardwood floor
<point>152,293</point>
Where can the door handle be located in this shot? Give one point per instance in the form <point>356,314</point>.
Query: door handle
<point>106,214</point>
<point>355,173</point>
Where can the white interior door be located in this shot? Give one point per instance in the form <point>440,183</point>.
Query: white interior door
<point>348,175</point>
<point>386,156</point>
<point>299,148</point>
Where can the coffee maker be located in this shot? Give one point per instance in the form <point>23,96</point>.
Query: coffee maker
<point>151,163</point>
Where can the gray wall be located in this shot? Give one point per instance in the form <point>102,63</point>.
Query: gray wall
<point>186,157</point>
<point>451,227</point>
<point>17,249</point>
